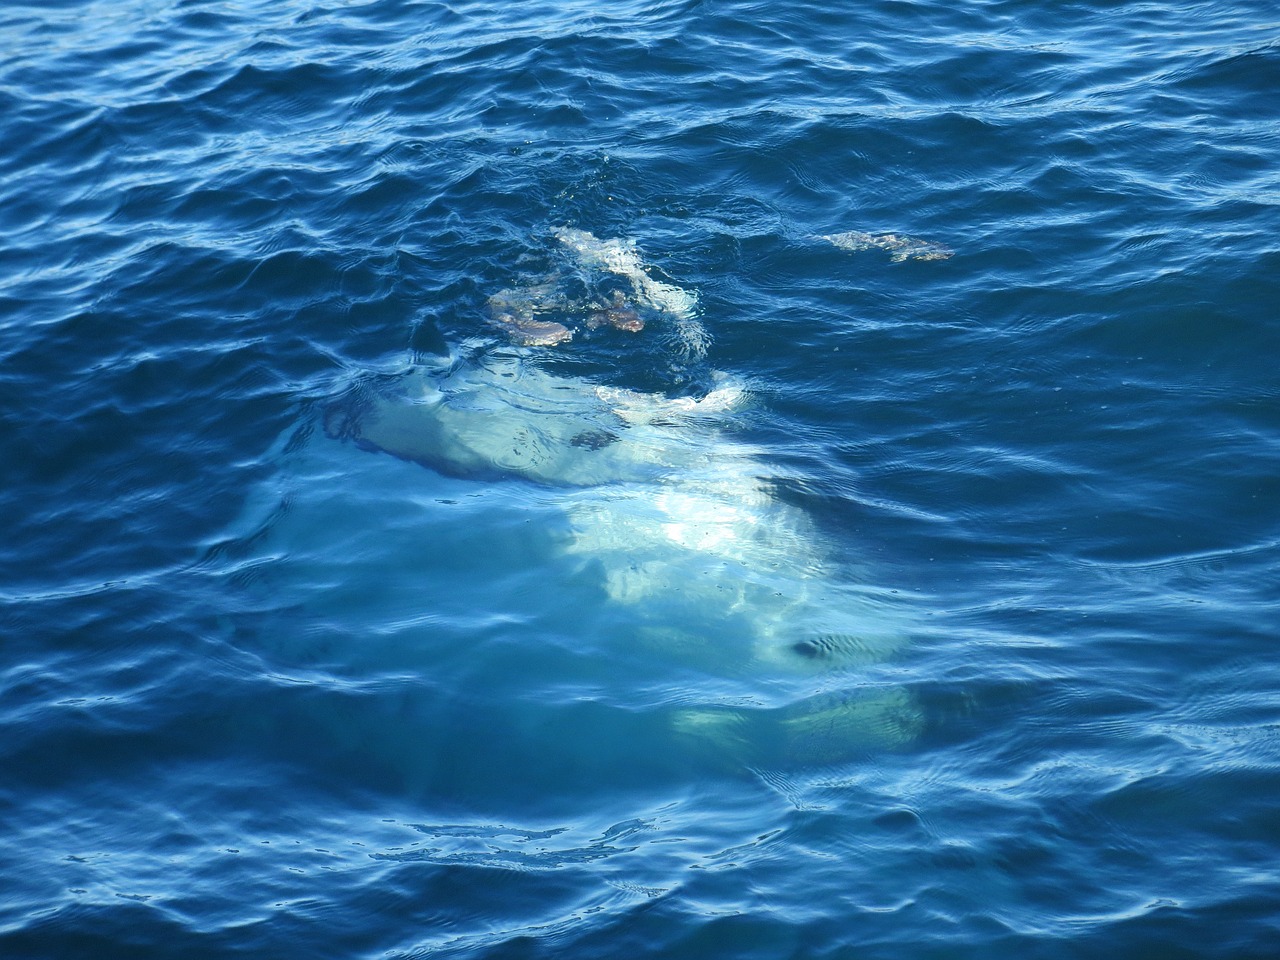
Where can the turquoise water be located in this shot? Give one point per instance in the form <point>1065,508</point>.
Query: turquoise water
<point>869,602</point>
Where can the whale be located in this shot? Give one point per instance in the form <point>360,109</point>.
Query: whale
<point>675,515</point>
<point>672,511</point>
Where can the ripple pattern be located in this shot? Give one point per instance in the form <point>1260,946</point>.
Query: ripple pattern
<point>265,694</point>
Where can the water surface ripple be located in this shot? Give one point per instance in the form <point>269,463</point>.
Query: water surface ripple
<point>267,691</point>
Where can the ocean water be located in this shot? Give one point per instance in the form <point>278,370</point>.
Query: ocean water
<point>907,594</point>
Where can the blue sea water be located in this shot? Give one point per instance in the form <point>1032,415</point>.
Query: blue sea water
<point>269,691</point>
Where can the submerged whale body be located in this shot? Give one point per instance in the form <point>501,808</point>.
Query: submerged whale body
<point>667,509</point>
<point>676,518</point>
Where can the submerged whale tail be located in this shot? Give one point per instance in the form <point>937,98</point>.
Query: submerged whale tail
<point>822,730</point>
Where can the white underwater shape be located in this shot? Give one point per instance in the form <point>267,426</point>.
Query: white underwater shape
<point>677,517</point>
<point>670,511</point>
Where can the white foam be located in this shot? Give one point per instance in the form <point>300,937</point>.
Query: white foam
<point>620,258</point>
